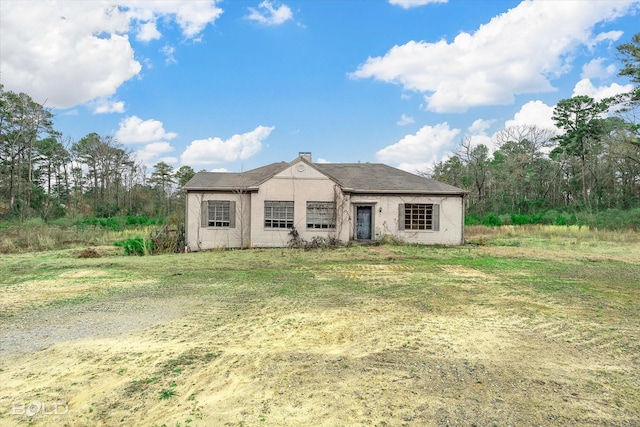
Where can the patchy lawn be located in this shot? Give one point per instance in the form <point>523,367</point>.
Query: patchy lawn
<point>522,328</point>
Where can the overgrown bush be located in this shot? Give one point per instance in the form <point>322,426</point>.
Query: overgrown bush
<point>316,242</point>
<point>135,246</point>
<point>168,239</point>
<point>491,220</point>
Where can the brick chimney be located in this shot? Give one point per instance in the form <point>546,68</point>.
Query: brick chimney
<point>305,155</point>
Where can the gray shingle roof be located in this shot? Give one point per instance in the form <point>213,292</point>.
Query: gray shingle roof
<point>353,177</point>
<point>377,177</point>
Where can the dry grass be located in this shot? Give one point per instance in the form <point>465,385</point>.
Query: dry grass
<point>526,329</point>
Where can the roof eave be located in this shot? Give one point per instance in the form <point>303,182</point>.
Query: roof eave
<point>386,192</point>
<point>222,189</point>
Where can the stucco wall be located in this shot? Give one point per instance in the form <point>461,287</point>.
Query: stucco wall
<point>385,219</point>
<point>198,238</point>
<point>294,184</point>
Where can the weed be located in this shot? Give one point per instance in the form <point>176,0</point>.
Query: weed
<point>167,393</point>
<point>135,246</point>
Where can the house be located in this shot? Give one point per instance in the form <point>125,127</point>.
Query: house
<point>347,201</point>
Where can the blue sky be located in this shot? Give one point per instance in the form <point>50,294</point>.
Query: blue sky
<point>236,84</point>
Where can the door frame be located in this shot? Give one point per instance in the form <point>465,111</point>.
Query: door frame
<point>371,206</point>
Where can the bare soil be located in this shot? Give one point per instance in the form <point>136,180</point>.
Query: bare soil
<point>471,351</point>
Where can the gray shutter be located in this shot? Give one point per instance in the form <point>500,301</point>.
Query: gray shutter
<point>232,214</point>
<point>435,218</point>
<point>401,216</point>
<point>204,214</point>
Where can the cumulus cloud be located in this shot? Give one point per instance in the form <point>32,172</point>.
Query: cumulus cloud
<point>83,46</point>
<point>517,52</point>
<point>106,105</point>
<point>595,69</point>
<point>406,4</point>
<point>134,130</point>
<point>150,153</point>
<point>417,152</point>
<point>585,87</point>
<point>268,14</point>
<point>533,113</point>
<point>405,120</point>
<point>215,150</point>
<point>147,32</point>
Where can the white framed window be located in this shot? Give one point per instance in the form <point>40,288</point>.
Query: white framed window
<point>278,214</point>
<point>321,215</point>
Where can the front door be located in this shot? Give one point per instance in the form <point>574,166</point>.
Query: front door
<point>363,223</point>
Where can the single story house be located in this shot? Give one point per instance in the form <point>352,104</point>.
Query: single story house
<point>345,201</point>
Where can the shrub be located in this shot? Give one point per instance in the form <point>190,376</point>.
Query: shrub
<point>135,246</point>
<point>560,220</point>
<point>491,220</point>
<point>472,220</point>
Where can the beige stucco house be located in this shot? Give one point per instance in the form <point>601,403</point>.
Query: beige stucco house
<point>346,201</point>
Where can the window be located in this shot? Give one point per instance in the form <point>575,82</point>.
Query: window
<point>321,215</point>
<point>278,214</point>
<point>419,216</point>
<point>219,213</point>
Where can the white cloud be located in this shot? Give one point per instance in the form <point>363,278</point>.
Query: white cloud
<point>610,36</point>
<point>406,4</point>
<point>417,152</point>
<point>150,153</point>
<point>70,52</point>
<point>216,150</point>
<point>191,16</point>
<point>533,113</point>
<point>585,87</point>
<point>134,130</point>
<point>147,32</point>
<point>595,69</point>
<point>168,51</point>
<point>405,120</point>
<point>517,52</point>
<point>269,14</point>
<point>106,105</point>
<point>477,134</point>
<point>480,126</point>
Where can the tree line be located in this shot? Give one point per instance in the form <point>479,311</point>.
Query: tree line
<point>43,174</point>
<point>589,163</point>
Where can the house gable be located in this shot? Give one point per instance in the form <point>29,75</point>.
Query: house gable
<point>301,169</point>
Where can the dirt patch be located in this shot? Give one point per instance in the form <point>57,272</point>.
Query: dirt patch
<point>380,342</point>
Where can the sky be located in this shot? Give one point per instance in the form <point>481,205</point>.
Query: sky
<point>237,84</point>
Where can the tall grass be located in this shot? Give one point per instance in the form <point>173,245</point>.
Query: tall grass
<point>484,234</point>
<point>35,235</point>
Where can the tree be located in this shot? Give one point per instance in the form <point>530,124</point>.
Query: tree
<point>184,174</point>
<point>162,176</point>
<point>22,122</point>
<point>577,117</point>
<point>631,59</point>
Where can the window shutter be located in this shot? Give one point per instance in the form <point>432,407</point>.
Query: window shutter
<point>232,214</point>
<point>401,216</point>
<point>204,213</point>
<point>435,215</point>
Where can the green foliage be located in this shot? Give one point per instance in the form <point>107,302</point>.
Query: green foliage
<point>135,246</point>
<point>118,223</point>
<point>491,220</point>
